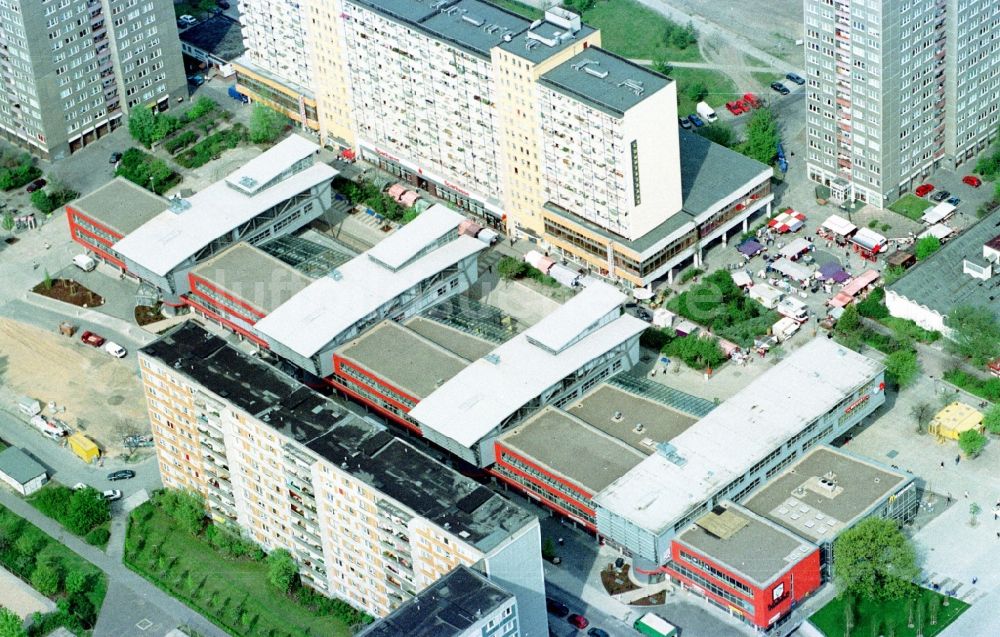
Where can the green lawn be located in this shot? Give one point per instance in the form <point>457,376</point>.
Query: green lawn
<point>520,8</point>
<point>911,206</point>
<point>765,79</point>
<point>633,31</point>
<point>232,593</point>
<point>720,88</point>
<point>830,618</point>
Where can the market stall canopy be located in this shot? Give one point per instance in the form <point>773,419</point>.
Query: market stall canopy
<point>938,213</point>
<point>750,248</point>
<point>792,270</point>
<point>938,230</point>
<point>833,271</point>
<point>742,279</point>
<point>869,240</point>
<point>838,225</point>
<point>795,248</point>
<point>539,260</point>
<point>860,282</point>
<point>642,294</point>
<point>789,221</point>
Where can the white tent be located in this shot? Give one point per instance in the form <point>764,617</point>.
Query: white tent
<point>938,230</point>
<point>938,213</point>
<point>792,270</point>
<point>795,248</point>
<point>838,225</point>
<point>742,279</point>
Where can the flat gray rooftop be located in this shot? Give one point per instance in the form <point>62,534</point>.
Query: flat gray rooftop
<point>121,205</point>
<point>403,358</point>
<point>21,467</point>
<point>534,50</point>
<point>800,502</point>
<point>219,35</point>
<point>446,608</point>
<point>938,282</point>
<point>474,25</point>
<point>605,81</point>
<point>253,276</point>
<point>659,423</point>
<point>462,343</point>
<point>710,172</point>
<point>760,550</point>
<point>569,447</point>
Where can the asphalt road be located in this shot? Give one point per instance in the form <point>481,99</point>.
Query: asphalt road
<point>561,628</point>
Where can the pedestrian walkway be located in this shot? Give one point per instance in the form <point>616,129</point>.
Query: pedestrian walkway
<point>133,605</point>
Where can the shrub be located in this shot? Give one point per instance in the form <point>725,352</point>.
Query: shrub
<point>212,147</point>
<point>20,173</point>
<point>511,268</point>
<point>201,107</point>
<point>988,389</point>
<point>46,578</point>
<point>147,171</point>
<point>282,572</point>
<point>873,305</point>
<point>98,536</point>
<point>181,141</point>
<point>971,442</point>
<point>690,273</point>
<point>87,509</point>
<point>991,420</point>
<point>655,338</point>
<point>697,352</point>
<point>926,247</point>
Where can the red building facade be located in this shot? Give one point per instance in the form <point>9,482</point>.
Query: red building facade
<point>94,236</point>
<point>223,307</point>
<point>374,392</point>
<point>757,604</point>
<point>538,482</point>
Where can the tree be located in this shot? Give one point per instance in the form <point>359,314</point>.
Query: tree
<point>548,549</point>
<point>87,509</point>
<point>849,322</point>
<point>46,578</point>
<point>265,124</point>
<point>874,560</point>
<point>991,420</point>
<point>661,66</point>
<point>282,572</point>
<point>189,511</point>
<point>922,413</point>
<point>974,510</point>
<point>511,268</point>
<point>902,367</point>
<point>975,333</point>
<point>142,125</point>
<point>42,202</point>
<point>926,247</point>
<point>77,582</point>
<point>721,134</point>
<point>697,91</point>
<point>30,542</point>
<point>10,624</point>
<point>761,136</point>
<point>971,442</point>
<point>8,221</point>
<point>697,352</point>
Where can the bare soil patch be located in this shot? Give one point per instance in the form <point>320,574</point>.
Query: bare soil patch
<point>69,291</point>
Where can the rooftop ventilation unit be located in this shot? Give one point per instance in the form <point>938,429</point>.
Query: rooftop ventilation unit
<point>178,205</point>
<point>671,453</point>
<point>829,485</point>
<point>595,72</point>
<point>633,85</point>
<point>617,416</point>
<point>492,358</point>
<point>248,182</point>
<point>474,21</point>
<point>639,428</point>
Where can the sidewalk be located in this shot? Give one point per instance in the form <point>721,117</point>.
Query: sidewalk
<point>127,592</point>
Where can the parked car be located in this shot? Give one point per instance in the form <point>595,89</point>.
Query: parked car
<point>556,607</point>
<point>685,124</point>
<point>794,77</point>
<point>694,119</point>
<point>92,339</point>
<point>578,621</point>
<point>597,632</point>
<point>85,262</point>
<point>735,107</point>
<point>924,189</point>
<point>122,474</point>
<point>186,21</point>
<point>196,80</point>
<point>940,195</point>
<point>972,180</point>
<point>115,349</point>
<point>35,185</point>
<point>954,201</point>
<point>751,100</point>
<point>780,88</point>
<point>112,494</point>
<point>115,157</point>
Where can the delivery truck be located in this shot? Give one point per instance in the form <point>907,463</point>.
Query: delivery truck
<point>793,309</point>
<point>784,329</point>
<point>707,112</point>
<point>653,625</point>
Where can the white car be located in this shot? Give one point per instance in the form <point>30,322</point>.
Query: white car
<point>112,494</point>
<point>187,20</point>
<point>115,349</point>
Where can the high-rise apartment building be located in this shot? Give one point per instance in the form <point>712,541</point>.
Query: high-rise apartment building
<point>369,518</point>
<point>528,124</point>
<point>70,70</point>
<point>897,89</point>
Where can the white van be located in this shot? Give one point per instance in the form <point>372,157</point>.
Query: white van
<point>85,262</point>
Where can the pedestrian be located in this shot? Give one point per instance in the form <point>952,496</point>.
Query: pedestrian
<point>998,535</point>
<point>561,542</point>
<point>995,516</point>
<point>974,580</point>
<point>489,269</point>
<point>957,458</point>
<point>966,495</point>
<point>949,498</point>
<point>942,464</point>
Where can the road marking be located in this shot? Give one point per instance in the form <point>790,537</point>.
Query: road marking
<point>145,624</point>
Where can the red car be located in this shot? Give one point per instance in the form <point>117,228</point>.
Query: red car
<point>736,108</point>
<point>578,621</point>
<point>924,189</point>
<point>751,100</point>
<point>972,180</point>
<point>94,340</point>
